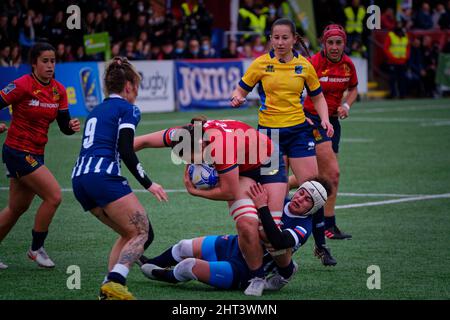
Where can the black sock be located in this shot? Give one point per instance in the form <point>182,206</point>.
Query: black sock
<point>164,260</point>
<point>165,275</point>
<point>117,277</point>
<point>330,222</point>
<point>287,271</point>
<point>38,239</point>
<point>257,273</point>
<point>319,228</point>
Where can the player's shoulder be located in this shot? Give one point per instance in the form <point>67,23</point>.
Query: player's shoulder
<point>264,59</point>
<point>24,81</point>
<point>58,84</point>
<point>347,60</point>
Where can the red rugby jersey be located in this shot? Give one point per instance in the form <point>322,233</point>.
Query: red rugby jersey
<point>334,79</point>
<point>233,144</point>
<point>34,107</point>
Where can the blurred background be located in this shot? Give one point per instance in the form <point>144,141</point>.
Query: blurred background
<point>209,30</point>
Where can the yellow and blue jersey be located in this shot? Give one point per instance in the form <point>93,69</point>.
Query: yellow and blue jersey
<point>280,88</point>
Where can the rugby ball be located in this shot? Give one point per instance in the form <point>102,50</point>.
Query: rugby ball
<point>203,176</point>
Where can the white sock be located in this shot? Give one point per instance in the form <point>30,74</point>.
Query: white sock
<point>121,269</point>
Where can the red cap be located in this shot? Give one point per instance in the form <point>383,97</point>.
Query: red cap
<point>333,30</point>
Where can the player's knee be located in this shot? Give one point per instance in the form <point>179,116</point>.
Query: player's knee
<point>54,199</point>
<point>334,178</point>
<point>183,249</point>
<point>183,270</point>
<point>247,229</point>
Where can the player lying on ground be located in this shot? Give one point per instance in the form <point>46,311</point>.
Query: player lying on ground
<point>218,261</point>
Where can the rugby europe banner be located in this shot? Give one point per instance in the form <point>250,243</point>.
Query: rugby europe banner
<point>156,92</point>
<point>206,84</point>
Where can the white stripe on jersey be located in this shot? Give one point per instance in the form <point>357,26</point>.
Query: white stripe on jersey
<point>75,167</point>
<point>127,125</point>
<point>79,167</point>
<point>108,171</point>
<point>297,241</point>
<point>86,169</point>
<point>97,167</point>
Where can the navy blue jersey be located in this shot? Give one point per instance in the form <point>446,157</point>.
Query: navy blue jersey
<point>299,226</point>
<point>99,152</point>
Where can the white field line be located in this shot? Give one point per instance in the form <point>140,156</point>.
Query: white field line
<point>406,198</point>
<point>408,108</point>
<point>380,203</point>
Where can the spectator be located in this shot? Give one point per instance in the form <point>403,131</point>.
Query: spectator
<point>139,50</point>
<point>167,50</point>
<point>207,51</point>
<point>155,52</point>
<point>193,51</point>
<point>26,35</point>
<point>16,56</point>
<point>230,52</point>
<point>4,34</point>
<point>180,48</point>
<point>416,71</point>
<point>100,22</point>
<point>354,23</point>
<point>258,46</point>
<point>115,49</point>
<point>147,51</point>
<point>68,55</point>
<point>438,12</point>
<point>423,18</point>
<point>57,29</point>
<point>430,61</point>
<point>358,49</point>
<point>396,48</point>
<point>60,53</point>
<point>444,21</point>
<point>246,51</point>
<point>446,48</point>
<point>406,17</point>
<point>5,51</point>
<point>13,29</point>
<point>129,52</point>
<point>388,21</point>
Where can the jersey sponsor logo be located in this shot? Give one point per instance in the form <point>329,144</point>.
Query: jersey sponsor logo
<point>298,69</point>
<point>136,112</point>
<point>10,87</point>
<point>270,68</point>
<point>273,172</point>
<point>34,103</point>
<point>328,79</point>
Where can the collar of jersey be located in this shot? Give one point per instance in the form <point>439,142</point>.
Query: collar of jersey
<point>37,79</point>
<point>115,95</point>
<point>272,54</point>
<point>291,215</point>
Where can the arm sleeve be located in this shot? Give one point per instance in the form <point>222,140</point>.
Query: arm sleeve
<point>127,154</point>
<point>63,119</point>
<point>251,76</point>
<point>312,81</point>
<point>13,92</point>
<point>279,239</point>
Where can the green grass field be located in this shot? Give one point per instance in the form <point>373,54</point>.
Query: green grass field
<point>396,151</point>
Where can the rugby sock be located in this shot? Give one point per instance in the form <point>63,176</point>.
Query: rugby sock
<point>287,271</point>
<point>38,239</point>
<point>164,260</point>
<point>330,222</point>
<point>165,275</point>
<point>119,274</point>
<point>257,273</point>
<point>319,228</point>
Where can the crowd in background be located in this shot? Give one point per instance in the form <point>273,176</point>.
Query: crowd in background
<point>146,30</point>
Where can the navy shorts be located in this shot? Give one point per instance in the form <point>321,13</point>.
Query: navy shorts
<point>320,134</point>
<point>97,190</point>
<point>20,163</point>
<point>268,173</point>
<point>295,142</point>
<point>226,248</point>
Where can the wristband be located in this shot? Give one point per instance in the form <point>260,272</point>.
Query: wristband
<point>346,106</point>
